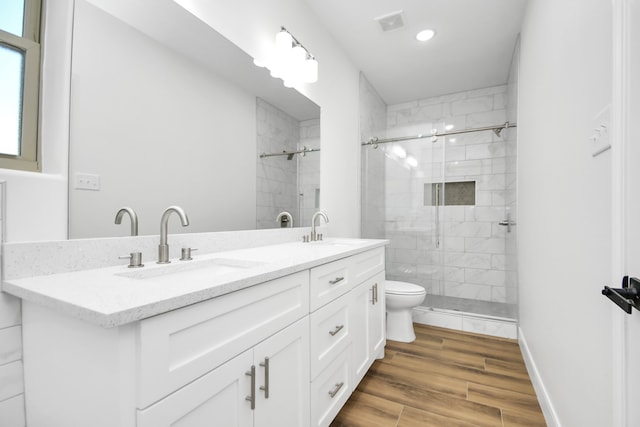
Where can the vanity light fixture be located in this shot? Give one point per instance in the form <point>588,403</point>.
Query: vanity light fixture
<point>291,62</point>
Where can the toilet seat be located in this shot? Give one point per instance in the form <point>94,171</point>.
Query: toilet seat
<point>402,288</point>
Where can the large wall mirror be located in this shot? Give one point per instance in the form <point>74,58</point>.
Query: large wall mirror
<point>165,111</point>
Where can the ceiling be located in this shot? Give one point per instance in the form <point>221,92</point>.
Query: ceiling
<point>472,48</point>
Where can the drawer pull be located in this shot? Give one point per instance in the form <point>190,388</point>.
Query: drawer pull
<point>375,293</point>
<point>336,280</point>
<point>265,387</point>
<point>335,391</point>
<point>252,397</point>
<point>336,330</point>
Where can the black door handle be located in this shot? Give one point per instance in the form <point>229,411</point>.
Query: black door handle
<point>626,297</point>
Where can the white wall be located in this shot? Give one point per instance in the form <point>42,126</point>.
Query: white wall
<point>336,91</point>
<point>159,130</point>
<point>564,204</point>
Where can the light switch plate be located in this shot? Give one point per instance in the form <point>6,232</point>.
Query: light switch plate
<point>86,181</point>
<point>599,139</point>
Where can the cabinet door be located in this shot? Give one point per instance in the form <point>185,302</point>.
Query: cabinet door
<point>282,378</point>
<point>368,324</point>
<point>377,319</point>
<point>216,399</point>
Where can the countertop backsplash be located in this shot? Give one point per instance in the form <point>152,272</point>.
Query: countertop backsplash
<point>26,259</point>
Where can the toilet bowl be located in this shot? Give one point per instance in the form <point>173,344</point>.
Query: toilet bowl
<point>400,299</point>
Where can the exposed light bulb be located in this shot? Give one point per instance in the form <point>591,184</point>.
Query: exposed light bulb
<point>291,61</point>
<point>310,70</point>
<point>284,41</point>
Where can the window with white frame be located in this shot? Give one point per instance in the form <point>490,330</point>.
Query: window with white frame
<point>19,83</point>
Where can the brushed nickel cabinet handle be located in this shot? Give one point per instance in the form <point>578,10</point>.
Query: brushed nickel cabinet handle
<point>252,397</point>
<point>374,291</point>
<point>335,391</point>
<point>265,387</point>
<point>336,280</point>
<point>336,330</point>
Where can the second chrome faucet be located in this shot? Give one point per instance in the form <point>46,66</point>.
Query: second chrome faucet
<point>163,248</point>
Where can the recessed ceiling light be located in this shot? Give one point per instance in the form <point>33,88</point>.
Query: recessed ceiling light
<point>425,35</point>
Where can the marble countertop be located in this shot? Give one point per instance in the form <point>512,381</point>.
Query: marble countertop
<point>114,296</point>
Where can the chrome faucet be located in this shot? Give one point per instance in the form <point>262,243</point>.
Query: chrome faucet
<point>163,248</point>
<point>285,217</point>
<point>134,219</point>
<point>314,236</point>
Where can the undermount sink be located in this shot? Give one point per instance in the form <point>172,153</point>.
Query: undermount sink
<point>197,270</point>
<point>336,242</point>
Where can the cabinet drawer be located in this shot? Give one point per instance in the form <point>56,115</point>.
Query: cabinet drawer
<point>329,281</point>
<point>179,346</point>
<point>330,333</point>
<point>331,390</point>
<point>367,264</point>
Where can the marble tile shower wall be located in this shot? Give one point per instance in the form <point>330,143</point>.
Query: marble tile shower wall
<point>373,123</point>
<point>276,186</point>
<point>469,261</point>
<point>308,171</point>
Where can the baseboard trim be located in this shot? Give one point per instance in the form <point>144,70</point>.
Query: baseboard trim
<point>550,415</point>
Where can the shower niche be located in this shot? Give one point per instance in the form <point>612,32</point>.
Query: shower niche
<point>457,193</point>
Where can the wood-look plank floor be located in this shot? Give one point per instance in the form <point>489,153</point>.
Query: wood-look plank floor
<point>445,378</point>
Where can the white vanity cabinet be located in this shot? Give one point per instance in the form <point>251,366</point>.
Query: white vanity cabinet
<point>285,352</point>
<point>179,368</point>
<point>262,387</point>
<point>347,329</point>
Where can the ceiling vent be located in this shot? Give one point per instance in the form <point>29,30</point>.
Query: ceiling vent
<point>391,21</point>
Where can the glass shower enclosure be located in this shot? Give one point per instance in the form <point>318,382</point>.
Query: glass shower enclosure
<point>445,204</point>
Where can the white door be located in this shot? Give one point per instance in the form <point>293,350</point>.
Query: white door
<point>626,206</point>
<point>282,378</point>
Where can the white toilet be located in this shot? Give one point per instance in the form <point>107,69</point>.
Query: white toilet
<point>400,298</point>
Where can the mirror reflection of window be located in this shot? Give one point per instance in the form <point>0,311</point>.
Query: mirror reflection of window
<point>19,83</point>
